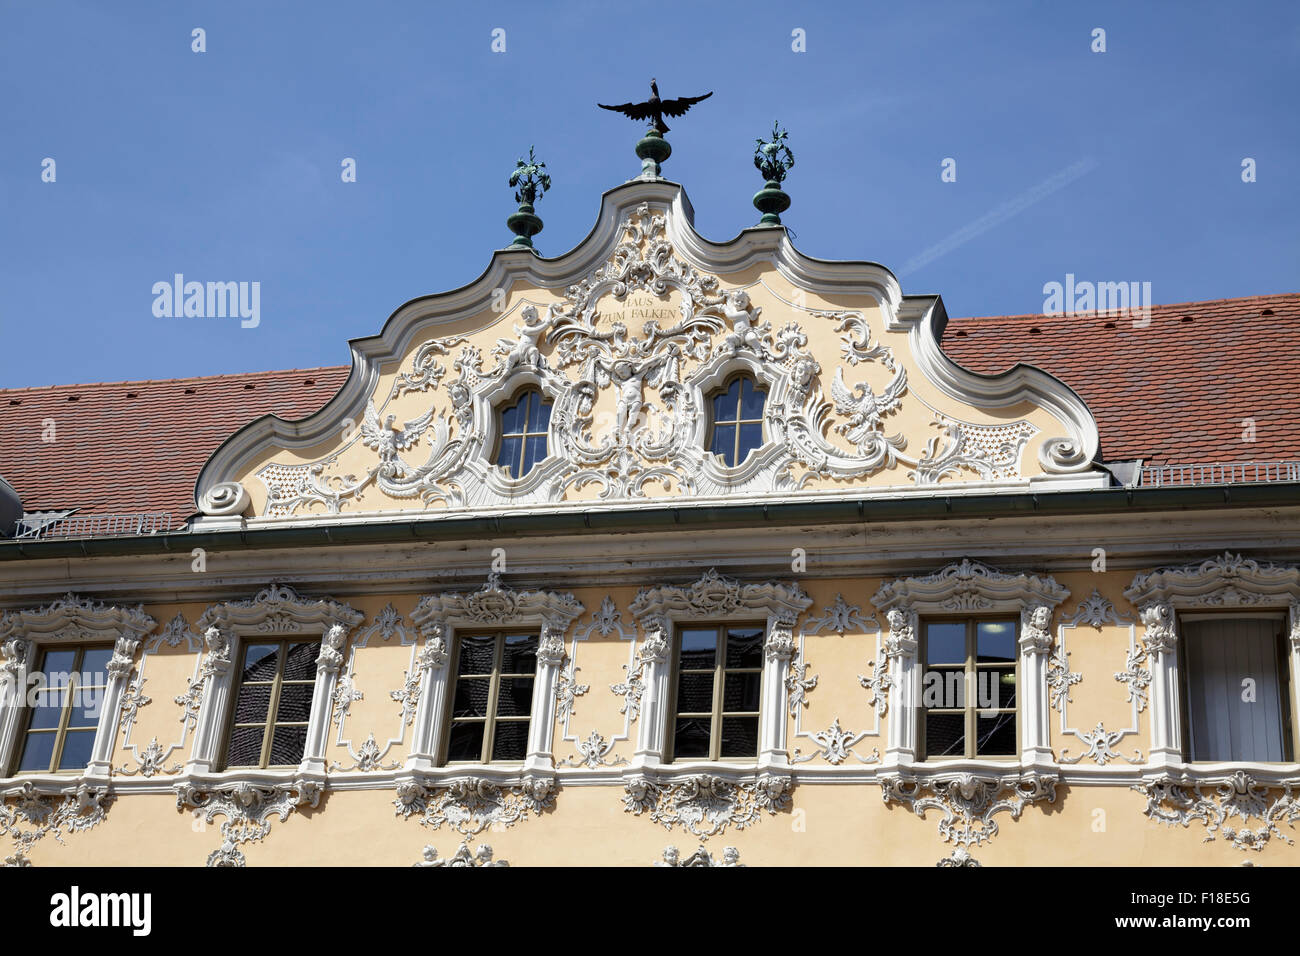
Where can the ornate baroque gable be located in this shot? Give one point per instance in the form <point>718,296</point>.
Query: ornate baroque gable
<point>627,336</point>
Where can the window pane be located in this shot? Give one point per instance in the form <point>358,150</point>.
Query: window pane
<point>512,417</point>
<point>945,735</point>
<point>695,693</point>
<point>87,702</point>
<point>534,453</point>
<point>725,403</point>
<point>94,666</point>
<point>539,415</point>
<point>744,647</point>
<point>466,741</point>
<point>945,642</point>
<point>691,737</point>
<point>38,751</point>
<point>287,745</point>
<point>698,648</point>
<point>471,697</point>
<point>995,641</point>
<point>260,661</point>
<point>48,708</point>
<point>245,747</point>
<point>752,398</point>
<point>751,439</point>
<point>515,697</point>
<point>996,735</point>
<point>740,692</point>
<point>509,456</point>
<point>59,662</point>
<point>477,654</point>
<point>520,654</point>
<point>739,737</point>
<point>295,702</point>
<point>77,745</point>
<point>724,443</point>
<point>300,661</point>
<point>998,687</point>
<point>510,740</point>
<point>252,704</point>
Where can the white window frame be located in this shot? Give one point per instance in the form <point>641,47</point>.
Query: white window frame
<point>439,617</point>
<point>276,612</point>
<point>69,620</point>
<point>970,589</point>
<point>1223,583</point>
<point>715,600</point>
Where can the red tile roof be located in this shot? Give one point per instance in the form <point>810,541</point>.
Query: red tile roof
<point>126,447</point>
<point>1176,391</point>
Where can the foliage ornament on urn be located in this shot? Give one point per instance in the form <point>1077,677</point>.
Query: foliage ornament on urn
<point>773,159</point>
<point>530,181</point>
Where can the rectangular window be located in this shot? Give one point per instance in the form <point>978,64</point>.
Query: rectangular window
<point>719,678</point>
<point>968,688</point>
<point>268,723</point>
<point>64,714</point>
<point>1237,689</point>
<point>492,699</point>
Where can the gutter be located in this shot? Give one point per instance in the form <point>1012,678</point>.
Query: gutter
<point>861,511</point>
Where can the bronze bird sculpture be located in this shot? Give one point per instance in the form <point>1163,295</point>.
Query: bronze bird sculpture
<point>655,108</point>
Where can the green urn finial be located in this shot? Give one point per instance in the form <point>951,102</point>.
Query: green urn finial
<point>531,181</point>
<point>774,160</point>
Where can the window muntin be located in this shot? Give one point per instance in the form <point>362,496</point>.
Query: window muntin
<point>737,427</point>
<point>524,426</point>
<point>717,691</point>
<point>968,688</point>
<point>64,714</point>
<point>1224,717</point>
<point>272,704</point>
<point>492,697</point>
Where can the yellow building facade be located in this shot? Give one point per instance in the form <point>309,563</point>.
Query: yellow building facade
<point>663,551</point>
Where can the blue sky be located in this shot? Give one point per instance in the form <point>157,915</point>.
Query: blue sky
<point>225,165</point>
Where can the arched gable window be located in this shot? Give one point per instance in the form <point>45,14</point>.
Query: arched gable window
<point>737,426</point>
<point>524,425</point>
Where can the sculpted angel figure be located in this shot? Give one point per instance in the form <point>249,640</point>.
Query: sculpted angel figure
<point>524,351</point>
<point>743,317</point>
<point>388,441</point>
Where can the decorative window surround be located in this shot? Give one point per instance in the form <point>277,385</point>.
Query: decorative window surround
<point>715,599</point>
<point>1218,583</point>
<point>276,611</point>
<point>1180,802</point>
<point>969,586</point>
<point>70,619</point>
<point>438,616</point>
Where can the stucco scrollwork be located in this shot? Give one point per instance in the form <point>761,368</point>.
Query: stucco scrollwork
<point>28,815</point>
<point>463,857</point>
<point>968,802</point>
<point>707,805</point>
<point>1215,803</point>
<point>469,805</point>
<point>248,809</point>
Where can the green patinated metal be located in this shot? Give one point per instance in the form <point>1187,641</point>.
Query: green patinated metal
<point>531,181</point>
<point>774,160</point>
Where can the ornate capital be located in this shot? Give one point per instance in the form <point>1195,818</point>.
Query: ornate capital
<point>1160,635</point>
<point>330,658</point>
<point>1035,629</point>
<point>901,641</point>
